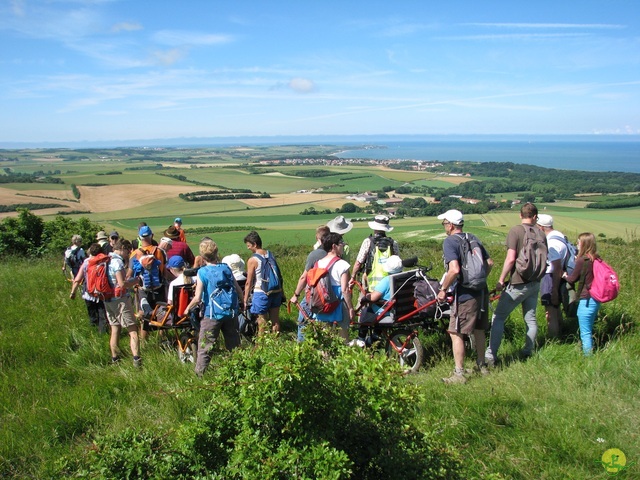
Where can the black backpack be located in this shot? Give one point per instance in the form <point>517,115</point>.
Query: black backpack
<point>377,242</point>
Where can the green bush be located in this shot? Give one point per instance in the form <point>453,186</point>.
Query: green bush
<point>27,234</point>
<point>285,410</point>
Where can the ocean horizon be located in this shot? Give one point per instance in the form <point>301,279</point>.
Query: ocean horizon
<point>610,154</point>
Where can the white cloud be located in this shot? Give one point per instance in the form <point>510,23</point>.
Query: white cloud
<point>178,37</point>
<point>126,27</point>
<point>302,85</point>
<point>547,25</point>
<point>169,57</point>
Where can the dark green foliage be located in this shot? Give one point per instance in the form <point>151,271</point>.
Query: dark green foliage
<point>28,234</point>
<point>21,235</point>
<point>29,206</point>
<point>36,177</point>
<point>285,410</point>
<point>617,202</point>
<point>75,191</point>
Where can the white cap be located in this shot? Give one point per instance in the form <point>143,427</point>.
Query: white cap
<point>453,216</point>
<point>393,264</point>
<point>545,220</point>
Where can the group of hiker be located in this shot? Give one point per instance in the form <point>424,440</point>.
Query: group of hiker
<point>540,263</point>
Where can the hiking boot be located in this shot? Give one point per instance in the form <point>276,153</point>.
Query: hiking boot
<point>481,369</point>
<point>455,378</point>
<point>137,362</point>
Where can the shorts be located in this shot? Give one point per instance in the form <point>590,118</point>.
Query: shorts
<point>467,317</point>
<point>546,288</point>
<point>261,303</point>
<point>120,312</point>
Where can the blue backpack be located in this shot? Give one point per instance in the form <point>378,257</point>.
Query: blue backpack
<point>223,299</point>
<point>271,277</point>
<point>148,267</point>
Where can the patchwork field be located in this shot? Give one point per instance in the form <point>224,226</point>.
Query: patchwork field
<point>121,188</point>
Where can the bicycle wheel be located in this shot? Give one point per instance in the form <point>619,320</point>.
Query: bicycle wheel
<point>406,348</point>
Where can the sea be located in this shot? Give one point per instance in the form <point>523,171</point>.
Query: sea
<point>597,153</point>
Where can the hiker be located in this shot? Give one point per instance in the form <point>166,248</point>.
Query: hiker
<point>120,307</point>
<point>74,256</point>
<point>552,282</point>
<point>583,272</point>
<point>264,284</point>
<point>178,247</point>
<point>374,251</point>
<point>177,224</point>
<point>177,266</point>
<point>113,238</point>
<point>342,226</point>
<point>95,306</point>
<point>469,315</point>
<point>103,241</point>
<point>135,243</point>
<point>521,290</point>
<point>148,262</point>
<point>338,274</point>
<point>374,301</point>
<point>316,254</point>
<point>220,292</point>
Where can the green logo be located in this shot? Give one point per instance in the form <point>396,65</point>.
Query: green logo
<point>614,461</point>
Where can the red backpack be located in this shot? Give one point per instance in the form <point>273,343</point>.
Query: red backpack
<point>97,277</point>
<point>605,285</point>
<point>320,296</point>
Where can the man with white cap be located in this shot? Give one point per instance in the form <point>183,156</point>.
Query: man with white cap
<point>550,286</point>
<point>374,251</point>
<point>469,313</point>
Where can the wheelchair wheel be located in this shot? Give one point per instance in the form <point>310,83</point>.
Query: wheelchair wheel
<point>405,347</point>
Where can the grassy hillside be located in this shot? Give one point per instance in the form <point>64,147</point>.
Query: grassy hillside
<point>550,417</point>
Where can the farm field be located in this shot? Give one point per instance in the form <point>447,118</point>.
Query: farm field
<point>129,188</point>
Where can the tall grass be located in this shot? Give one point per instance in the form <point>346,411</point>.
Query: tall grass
<point>552,416</point>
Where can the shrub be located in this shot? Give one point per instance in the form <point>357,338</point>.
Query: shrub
<point>286,410</point>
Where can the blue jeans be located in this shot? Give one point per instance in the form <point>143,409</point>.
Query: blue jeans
<point>587,313</point>
<point>512,296</point>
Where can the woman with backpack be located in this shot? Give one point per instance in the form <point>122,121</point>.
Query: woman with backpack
<point>219,291</point>
<point>583,272</point>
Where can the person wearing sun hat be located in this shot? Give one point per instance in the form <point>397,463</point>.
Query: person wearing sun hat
<point>177,223</point>
<point>374,245</point>
<point>103,240</point>
<point>178,247</point>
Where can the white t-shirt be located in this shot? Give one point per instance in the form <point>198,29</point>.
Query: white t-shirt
<point>557,249</point>
<point>179,280</point>
<point>336,271</point>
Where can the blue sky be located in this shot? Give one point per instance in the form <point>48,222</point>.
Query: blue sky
<point>100,70</point>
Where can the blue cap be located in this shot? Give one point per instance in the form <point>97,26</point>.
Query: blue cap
<point>144,231</point>
<point>175,262</point>
<point>177,220</point>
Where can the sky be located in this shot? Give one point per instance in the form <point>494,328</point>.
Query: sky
<point>117,70</point>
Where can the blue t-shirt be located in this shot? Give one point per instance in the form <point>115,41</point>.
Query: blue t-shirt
<point>384,287</point>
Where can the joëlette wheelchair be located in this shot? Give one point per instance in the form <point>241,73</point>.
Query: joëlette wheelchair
<point>181,329</point>
<point>395,325</point>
